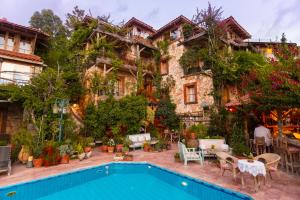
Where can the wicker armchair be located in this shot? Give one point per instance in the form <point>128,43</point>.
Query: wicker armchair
<point>271,161</point>
<point>228,162</point>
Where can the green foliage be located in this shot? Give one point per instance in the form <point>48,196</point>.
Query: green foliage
<point>65,149</point>
<point>275,85</point>
<point>166,114</point>
<point>218,121</point>
<point>238,144</point>
<point>48,22</point>
<point>37,151</point>
<point>118,115</point>
<point>200,129</point>
<point>22,137</point>
<point>163,86</point>
<point>187,30</point>
<point>191,58</point>
<point>163,51</point>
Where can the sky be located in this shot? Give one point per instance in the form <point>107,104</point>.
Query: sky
<point>263,19</point>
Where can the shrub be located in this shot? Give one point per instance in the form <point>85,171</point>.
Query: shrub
<point>125,115</point>
<point>166,114</point>
<point>238,140</point>
<point>200,129</point>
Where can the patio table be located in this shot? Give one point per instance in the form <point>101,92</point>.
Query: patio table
<point>254,168</point>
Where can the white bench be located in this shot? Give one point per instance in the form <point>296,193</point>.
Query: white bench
<point>138,140</point>
<point>218,145</point>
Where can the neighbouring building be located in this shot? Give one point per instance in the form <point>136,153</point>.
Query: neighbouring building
<point>130,48</point>
<point>18,64</point>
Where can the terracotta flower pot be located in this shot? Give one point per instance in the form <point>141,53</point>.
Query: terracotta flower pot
<point>119,147</point>
<point>65,159</point>
<point>87,149</point>
<point>104,148</point>
<point>24,154</point>
<point>147,148</point>
<point>38,162</point>
<point>110,149</point>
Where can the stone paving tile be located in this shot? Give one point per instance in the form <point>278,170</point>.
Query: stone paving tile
<point>284,187</point>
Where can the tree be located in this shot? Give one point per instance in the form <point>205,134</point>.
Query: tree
<point>276,85</point>
<point>75,19</point>
<point>166,114</point>
<point>214,55</point>
<point>48,22</point>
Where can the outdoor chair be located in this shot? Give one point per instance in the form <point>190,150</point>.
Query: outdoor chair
<point>5,162</point>
<point>260,145</point>
<point>291,156</point>
<point>271,161</point>
<point>189,154</point>
<point>228,163</point>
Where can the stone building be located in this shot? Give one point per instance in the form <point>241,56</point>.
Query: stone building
<point>18,64</point>
<point>131,47</point>
<point>192,93</point>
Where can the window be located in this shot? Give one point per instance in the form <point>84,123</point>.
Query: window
<point>174,34</point>
<point>190,93</point>
<point>119,87</point>
<point>25,47</point>
<point>2,41</point>
<point>164,67</point>
<point>10,44</point>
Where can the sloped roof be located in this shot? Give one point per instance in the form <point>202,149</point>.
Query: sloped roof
<point>134,20</point>
<point>21,28</point>
<point>231,22</point>
<point>12,55</point>
<point>179,20</point>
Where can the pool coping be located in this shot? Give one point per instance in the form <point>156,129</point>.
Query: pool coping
<point>205,183</point>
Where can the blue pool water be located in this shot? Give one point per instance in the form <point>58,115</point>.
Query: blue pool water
<point>119,181</point>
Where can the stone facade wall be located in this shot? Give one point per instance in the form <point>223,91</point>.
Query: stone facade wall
<point>129,84</point>
<point>204,83</point>
<point>12,116</point>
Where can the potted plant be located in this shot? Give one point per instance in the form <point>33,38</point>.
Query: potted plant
<point>125,150</point>
<point>23,140</point>
<point>88,143</point>
<point>51,153</point>
<point>146,146</point>
<point>111,145</point>
<point>80,152</point>
<point>37,156</point>
<point>65,151</point>
<point>104,146</point>
<point>119,143</point>
<point>159,146</point>
<point>177,157</point>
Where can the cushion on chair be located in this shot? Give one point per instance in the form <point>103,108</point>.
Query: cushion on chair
<point>192,155</point>
<point>226,166</point>
<point>141,138</point>
<point>272,169</point>
<point>133,138</point>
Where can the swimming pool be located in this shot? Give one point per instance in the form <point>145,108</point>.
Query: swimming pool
<point>119,181</point>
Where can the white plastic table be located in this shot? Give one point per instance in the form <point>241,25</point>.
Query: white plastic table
<point>254,168</point>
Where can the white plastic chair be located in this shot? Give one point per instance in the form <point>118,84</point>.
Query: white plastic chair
<point>189,154</point>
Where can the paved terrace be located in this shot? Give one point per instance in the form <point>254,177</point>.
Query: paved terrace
<point>285,186</point>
